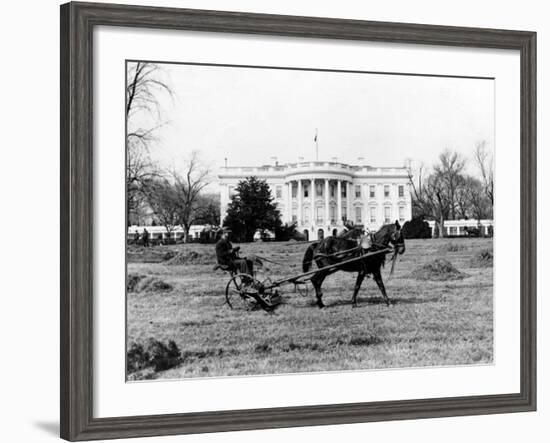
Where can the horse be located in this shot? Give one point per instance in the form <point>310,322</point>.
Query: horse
<point>334,250</point>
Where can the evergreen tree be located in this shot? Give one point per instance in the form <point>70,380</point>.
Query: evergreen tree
<point>251,209</point>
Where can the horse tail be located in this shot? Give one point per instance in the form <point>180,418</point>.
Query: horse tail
<point>308,257</point>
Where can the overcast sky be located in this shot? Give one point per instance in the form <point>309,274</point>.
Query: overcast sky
<point>250,115</point>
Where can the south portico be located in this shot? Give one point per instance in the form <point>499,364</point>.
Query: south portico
<point>317,204</point>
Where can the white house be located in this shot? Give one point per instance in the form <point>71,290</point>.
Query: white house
<point>321,195</point>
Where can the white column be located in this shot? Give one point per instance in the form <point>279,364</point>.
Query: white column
<point>312,199</point>
<point>338,202</point>
<point>348,199</point>
<point>289,202</point>
<point>299,212</point>
<point>327,212</point>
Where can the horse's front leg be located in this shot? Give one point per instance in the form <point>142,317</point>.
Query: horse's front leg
<point>317,282</point>
<point>377,276</point>
<point>358,283</point>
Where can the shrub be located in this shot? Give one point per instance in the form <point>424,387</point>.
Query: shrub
<point>285,232</point>
<point>417,228</point>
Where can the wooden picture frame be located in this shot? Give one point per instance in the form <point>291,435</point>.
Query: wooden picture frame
<point>77,23</point>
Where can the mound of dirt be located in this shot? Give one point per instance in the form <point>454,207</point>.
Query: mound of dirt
<point>483,259</point>
<point>439,269</point>
<point>144,283</point>
<point>154,354</point>
<point>192,258</point>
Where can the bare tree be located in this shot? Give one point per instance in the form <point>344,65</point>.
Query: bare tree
<point>163,199</point>
<point>145,83</point>
<point>420,203</point>
<point>478,202</point>
<point>208,209</point>
<point>462,195</point>
<point>450,168</point>
<point>140,174</point>
<point>484,159</point>
<point>188,185</point>
<point>145,86</point>
<point>437,198</point>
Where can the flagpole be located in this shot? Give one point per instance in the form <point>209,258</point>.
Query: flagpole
<point>316,146</point>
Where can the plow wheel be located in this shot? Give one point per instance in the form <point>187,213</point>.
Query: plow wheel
<point>248,292</point>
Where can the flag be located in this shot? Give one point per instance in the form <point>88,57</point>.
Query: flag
<point>315,139</point>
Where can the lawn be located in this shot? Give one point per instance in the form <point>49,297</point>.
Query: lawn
<point>431,323</point>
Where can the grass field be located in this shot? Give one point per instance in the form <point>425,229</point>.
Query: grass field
<point>445,322</point>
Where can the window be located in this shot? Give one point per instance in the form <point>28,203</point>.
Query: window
<point>294,191</point>
<point>332,214</point>
<point>452,230</point>
<point>372,191</point>
<point>294,214</point>
<point>372,211</point>
<point>344,213</point>
<point>319,216</point>
<point>386,191</point>
<point>387,214</point>
<point>306,216</point>
<point>319,189</point>
<point>278,192</point>
<point>401,191</point>
<point>401,214</point>
<point>358,215</point>
<point>332,190</point>
<point>357,191</point>
<point>306,191</point>
<point>344,190</point>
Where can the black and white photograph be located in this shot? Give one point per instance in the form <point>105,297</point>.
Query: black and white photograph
<point>286,220</point>
<point>228,221</point>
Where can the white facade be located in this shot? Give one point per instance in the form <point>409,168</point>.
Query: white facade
<point>458,227</point>
<point>160,232</point>
<point>321,195</point>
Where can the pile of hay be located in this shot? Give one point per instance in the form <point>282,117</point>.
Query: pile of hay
<point>144,283</point>
<point>149,255</point>
<point>192,258</point>
<point>439,270</point>
<point>483,259</point>
<point>452,247</point>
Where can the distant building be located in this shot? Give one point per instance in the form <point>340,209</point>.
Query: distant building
<point>462,228</point>
<point>160,234</point>
<point>320,196</point>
